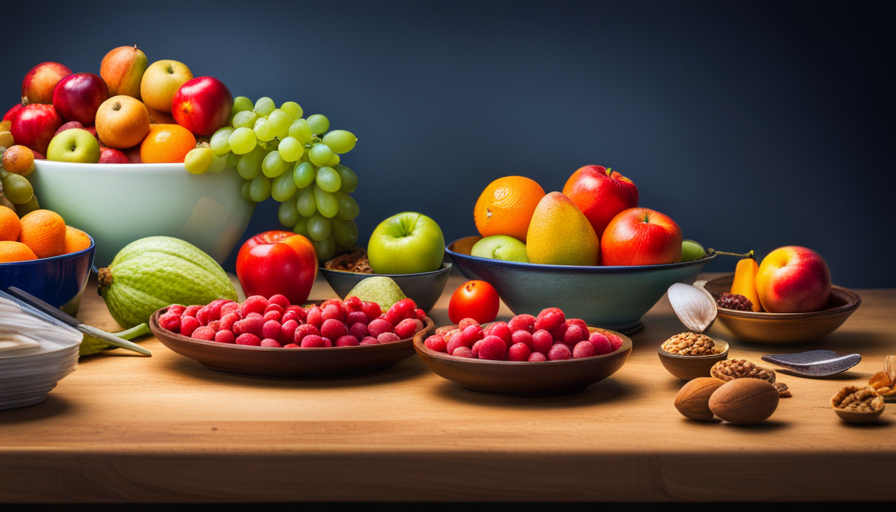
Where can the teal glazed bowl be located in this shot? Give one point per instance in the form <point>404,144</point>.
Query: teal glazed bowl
<point>611,297</point>
<point>120,203</point>
<point>424,288</point>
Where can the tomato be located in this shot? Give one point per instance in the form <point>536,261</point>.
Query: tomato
<point>277,262</point>
<point>474,299</point>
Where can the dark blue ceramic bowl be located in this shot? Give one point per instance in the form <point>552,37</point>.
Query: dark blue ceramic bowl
<point>59,281</point>
<point>611,297</point>
<point>424,288</point>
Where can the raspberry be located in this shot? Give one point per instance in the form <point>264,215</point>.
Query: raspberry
<point>230,307</point>
<point>522,336</point>
<point>574,334</point>
<point>420,314</point>
<point>280,300</point>
<point>347,341</point>
<point>519,351</point>
<point>176,309</point>
<point>268,342</point>
<point>353,305</point>
<point>332,312</point>
<point>313,317</point>
<point>271,329</point>
<point>203,315</point>
<point>616,341</point>
<point>203,333</point>
<point>356,317</point>
<point>304,330</point>
<point>253,325</point>
<point>191,310</point>
<point>248,339</point>
<point>401,310</point>
<point>462,352</point>
<point>577,321</point>
<point>291,345</point>
<point>215,325</point>
<point>601,343</point>
<point>369,340</point>
<point>214,308</point>
<point>227,321</point>
<point>475,348</point>
<point>453,344</point>
<point>379,326</point>
<point>492,348</point>
<point>583,349</point>
<point>387,337</point>
<point>254,304</point>
<point>542,341</point>
<point>188,324</point>
<point>288,331</point>
<point>550,318</point>
<point>408,327</point>
<point>298,310</point>
<point>333,329</point>
<point>436,343</point>
<point>558,352</point>
<point>359,330</point>
<point>466,322</point>
<point>501,330</point>
<point>372,310</point>
<point>290,315</point>
<point>313,341</point>
<point>537,357</point>
<point>471,335</point>
<point>522,323</point>
<point>225,337</point>
<point>274,307</point>
<point>170,321</point>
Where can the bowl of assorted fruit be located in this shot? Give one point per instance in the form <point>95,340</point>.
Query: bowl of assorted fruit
<point>43,256</point>
<point>273,338</point>
<point>527,356</point>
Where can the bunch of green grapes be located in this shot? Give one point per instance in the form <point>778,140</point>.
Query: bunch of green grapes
<point>16,191</point>
<point>296,161</point>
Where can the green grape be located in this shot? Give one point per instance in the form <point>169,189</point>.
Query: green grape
<point>198,160</point>
<point>300,130</point>
<point>220,141</point>
<point>280,123</point>
<point>319,228</point>
<point>219,162</point>
<point>319,124</point>
<point>345,232</point>
<point>273,165</point>
<point>232,159</point>
<point>244,191</point>
<point>264,106</point>
<point>292,108</point>
<point>284,188</point>
<point>263,130</point>
<point>241,104</point>
<point>260,188</point>
<point>348,207</point>
<point>287,213</point>
<point>334,160</point>
<point>242,140</point>
<point>30,206</point>
<point>17,189</point>
<point>328,179</point>
<point>325,249</point>
<point>304,174</point>
<point>290,149</point>
<point>245,119</point>
<point>305,203</point>
<point>250,164</point>
<point>340,141</point>
<point>301,226</point>
<point>320,155</point>
<point>326,202</point>
<point>349,178</point>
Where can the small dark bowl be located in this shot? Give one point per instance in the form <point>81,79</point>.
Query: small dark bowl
<point>59,281</point>
<point>423,288</point>
<point>524,378</point>
<point>691,367</point>
<point>763,327</point>
<point>285,362</point>
<point>611,297</point>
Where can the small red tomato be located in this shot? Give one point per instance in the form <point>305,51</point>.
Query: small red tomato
<point>277,262</point>
<point>474,299</point>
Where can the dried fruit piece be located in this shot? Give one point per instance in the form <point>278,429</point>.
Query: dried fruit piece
<point>884,382</point>
<point>689,344</point>
<point>744,401</point>
<point>734,301</point>
<point>692,400</point>
<point>731,369</point>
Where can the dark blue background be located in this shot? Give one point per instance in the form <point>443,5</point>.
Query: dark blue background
<point>752,124</point>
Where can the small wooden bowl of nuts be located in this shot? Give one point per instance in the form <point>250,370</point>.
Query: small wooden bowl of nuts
<point>858,404</point>
<point>690,355</point>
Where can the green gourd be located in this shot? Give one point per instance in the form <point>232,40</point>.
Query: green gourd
<point>158,271</point>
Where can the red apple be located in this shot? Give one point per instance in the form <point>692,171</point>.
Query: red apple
<point>640,236</point>
<point>77,97</point>
<point>38,85</point>
<point>122,69</point>
<point>277,262</point>
<point>69,125</point>
<point>793,279</point>
<point>35,125</point>
<point>13,112</point>
<point>202,105</point>
<point>112,156</point>
<point>600,194</point>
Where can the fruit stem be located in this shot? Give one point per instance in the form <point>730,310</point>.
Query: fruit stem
<point>750,254</point>
<point>104,280</point>
<point>133,332</point>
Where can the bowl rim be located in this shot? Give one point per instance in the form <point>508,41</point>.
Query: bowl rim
<point>118,168</point>
<point>704,357</point>
<point>55,258</point>
<point>854,301</point>
<point>445,267</point>
<point>591,269</point>
<point>627,345</point>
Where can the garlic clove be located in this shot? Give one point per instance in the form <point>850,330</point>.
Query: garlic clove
<point>693,305</point>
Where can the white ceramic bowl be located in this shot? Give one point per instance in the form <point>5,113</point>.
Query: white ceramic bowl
<point>120,203</point>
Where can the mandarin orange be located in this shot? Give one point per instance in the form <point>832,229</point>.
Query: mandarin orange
<point>44,232</point>
<point>166,143</point>
<point>506,205</point>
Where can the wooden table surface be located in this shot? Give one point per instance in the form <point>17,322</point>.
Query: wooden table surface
<point>126,428</point>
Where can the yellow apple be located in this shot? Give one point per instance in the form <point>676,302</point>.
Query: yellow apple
<point>161,80</point>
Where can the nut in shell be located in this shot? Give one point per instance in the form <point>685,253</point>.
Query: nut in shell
<point>744,401</point>
<point>857,404</point>
<point>731,369</point>
<point>692,400</point>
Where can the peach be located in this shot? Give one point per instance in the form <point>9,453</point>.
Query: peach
<point>793,279</point>
<point>122,122</point>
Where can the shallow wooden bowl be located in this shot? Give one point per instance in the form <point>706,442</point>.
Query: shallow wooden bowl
<point>524,378</point>
<point>858,417</point>
<point>765,327</point>
<point>691,367</point>
<point>285,362</point>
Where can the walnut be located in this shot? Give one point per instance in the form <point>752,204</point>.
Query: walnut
<point>783,390</point>
<point>858,399</point>
<point>689,344</point>
<point>731,369</point>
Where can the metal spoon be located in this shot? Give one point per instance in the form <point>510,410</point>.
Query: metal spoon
<point>814,363</point>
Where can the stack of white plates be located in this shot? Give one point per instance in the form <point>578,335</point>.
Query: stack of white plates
<point>34,355</point>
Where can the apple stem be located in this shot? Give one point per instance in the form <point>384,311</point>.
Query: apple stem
<point>750,254</point>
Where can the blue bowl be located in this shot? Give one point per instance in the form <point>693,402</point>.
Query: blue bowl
<point>611,297</point>
<point>60,281</point>
<point>424,288</point>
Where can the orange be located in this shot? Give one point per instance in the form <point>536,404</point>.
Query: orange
<point>44,232</point>
<point>15,251</point>
<point>506,206</point>
<point>10,227</point>
<point>75,240</point>
<point>166,143</point>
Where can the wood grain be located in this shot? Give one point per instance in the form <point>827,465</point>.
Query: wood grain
<point>126,428</point>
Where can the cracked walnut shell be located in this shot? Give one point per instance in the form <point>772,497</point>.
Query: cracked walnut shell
<point>857,404</point>
<point>731,369</point>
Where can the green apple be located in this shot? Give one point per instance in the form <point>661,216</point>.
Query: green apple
<point>74,145</point>
<point>500,247</point>
<point>691,250</point>
<point>406,243</point>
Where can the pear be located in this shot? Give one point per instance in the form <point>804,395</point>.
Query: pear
<point>560,234</point>
<point>380,289</point>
